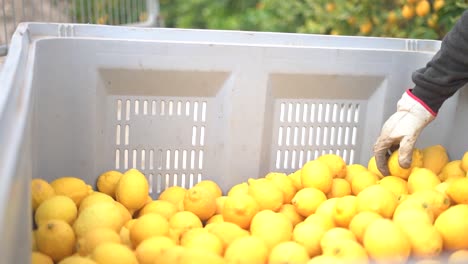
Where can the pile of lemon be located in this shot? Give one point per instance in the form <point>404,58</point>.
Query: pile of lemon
<point>326,212</point>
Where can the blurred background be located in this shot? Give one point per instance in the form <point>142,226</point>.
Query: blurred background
<point>427,19</point>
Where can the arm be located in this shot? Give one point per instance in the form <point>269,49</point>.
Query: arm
<point>440,79</point>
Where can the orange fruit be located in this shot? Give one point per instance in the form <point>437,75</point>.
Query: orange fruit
<point>423,8</point>
<point>365,28</point>
<point>240,210</point>
<point>407,12</point>
<point>377,199</point>
<point>385,241</point>
<point>438,4</point>
<point>363,180</point>
<point>201,202</point>
<point>340,187</point>
<point>361,221</point>
<point>453,228</point>
<point>316,174</point>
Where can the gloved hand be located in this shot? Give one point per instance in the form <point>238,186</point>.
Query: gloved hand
<point>402,128</point>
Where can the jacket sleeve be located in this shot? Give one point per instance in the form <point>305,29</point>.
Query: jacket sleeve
<point>447,71</point>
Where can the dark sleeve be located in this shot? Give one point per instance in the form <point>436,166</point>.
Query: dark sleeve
<point>447,71</point>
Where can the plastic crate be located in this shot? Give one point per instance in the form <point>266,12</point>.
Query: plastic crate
<point>185,105</point>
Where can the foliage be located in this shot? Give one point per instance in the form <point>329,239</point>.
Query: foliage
<point>428,19</point>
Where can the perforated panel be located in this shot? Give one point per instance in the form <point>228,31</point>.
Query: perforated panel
<point>306,129</point>
<point>163,137</point>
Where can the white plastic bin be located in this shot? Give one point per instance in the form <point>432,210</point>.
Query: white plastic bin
<point>185,105</point>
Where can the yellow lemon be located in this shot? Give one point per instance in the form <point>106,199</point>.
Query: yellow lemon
<point>452,170</point>
<point>352,170</point>
<point>266,194</point>
<point>202,239</point>
<point>211,187</point>
<point>395,168</point>
<point>325,259</point>
<point>96,216</point>
<point>284,184</point>
<point>217,218</point>
<point>113,253</point>
<point>201,202</point>
<point>340,187</point>
<point>316,174</point>
<point>40,191</point>
<point>161,207</point>
<point>335,163</point>
<point>362,180</point>
<point>425,240</point>
<point>407,12</point>
<point>240,209</point>
<point>40,258</point>
<point>94,198</point>
<point>327,208</point>
<point>436,201</point>
<point>107,182</point>
<point>295,178</point>
<point>377,199</point>
<point>457,190</point>
<point>335,234</point>
<point>125,237</point>
<point>77,260</point>
<point>423,8</point>
<point>288,252</point>
<point>453,229</point>
<point>239,188</point>
<point>181,222</point>
<point>56,239</point>
<point>345,209</point>
<point>347,250</point>
<point>150,248</point>
<point>147,226</point>
<point>132,190</point>
<point>220,204</point>
<point>385,241</point>
<point>323,220</point>
<point>271,227</point>
<point>307,200</point>
<point>57,207</point>
<point>422,179</point>
<point>227,232</point>
<point>291,213</point>
<point>413,204</point>
<point>435,158</point>
<point>464,162</point>
<point>361,221</point>
<point>249,249</point>
<point>395,184</point>
<point>72,187</point>
<point>175,195</point>
<point>124,213</point>
<point>86,244</point>
<point>309,235</point>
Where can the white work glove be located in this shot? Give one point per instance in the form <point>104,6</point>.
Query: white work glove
<point>402,128</point>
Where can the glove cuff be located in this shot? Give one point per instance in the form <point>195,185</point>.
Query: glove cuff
<point>410,103</point>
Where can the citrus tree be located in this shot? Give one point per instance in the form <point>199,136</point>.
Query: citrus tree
<point>428,19</point>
